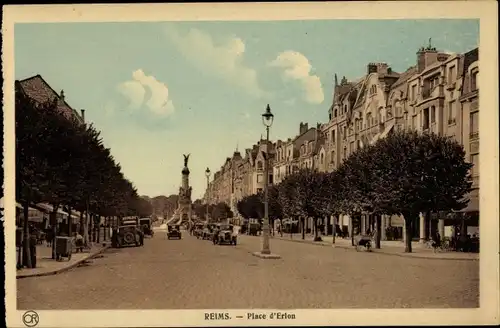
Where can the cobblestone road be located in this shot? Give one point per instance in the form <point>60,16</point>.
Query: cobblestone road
<point>193,274</point>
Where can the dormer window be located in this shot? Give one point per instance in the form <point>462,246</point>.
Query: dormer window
<point>335,113</point>
<point>259,165</point>
<point>473,80</point>
<point>345,108</point>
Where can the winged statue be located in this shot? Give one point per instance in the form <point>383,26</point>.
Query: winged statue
<point>186,159</point>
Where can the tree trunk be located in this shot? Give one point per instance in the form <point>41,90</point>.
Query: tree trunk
<point>302,220</point>
<point>26,237</point>
<point>53,219</point>
<point>82,223</point>
<point>98,227</point>
<point>408,232</point>
<point>86,226</point>
<point>351,232</point>
<point>70,223</point>
<point>315,223</point>
<point>378,229</point>
<point>334,228</point>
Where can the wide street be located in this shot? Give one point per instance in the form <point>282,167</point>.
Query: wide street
<point>194,274</point>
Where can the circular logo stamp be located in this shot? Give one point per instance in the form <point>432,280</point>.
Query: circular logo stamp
<point>30,318</point>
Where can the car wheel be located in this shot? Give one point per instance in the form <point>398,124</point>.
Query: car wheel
<point>129,238</point>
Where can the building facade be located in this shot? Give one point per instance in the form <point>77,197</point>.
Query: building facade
<point>439,94</point>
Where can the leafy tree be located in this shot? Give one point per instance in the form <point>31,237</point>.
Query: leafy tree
<point>304,196</point>
<point>419,172</point>
<point>221,211</point>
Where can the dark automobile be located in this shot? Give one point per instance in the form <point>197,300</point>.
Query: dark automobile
<point>225,235</point>
<point>174,231</point>
<point>128,235</point>
<point>208,231</point>
<point>198,231</point>
<point>146,226</point>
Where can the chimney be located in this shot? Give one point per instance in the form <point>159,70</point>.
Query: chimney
<point>83,114</point>
<point>62,95</point>
<point>426,57</point>
<point>303,128</point>
<point>372,68</point>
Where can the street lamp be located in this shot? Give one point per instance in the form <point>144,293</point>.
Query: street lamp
<point>267,120</point>
<point>207,174</point>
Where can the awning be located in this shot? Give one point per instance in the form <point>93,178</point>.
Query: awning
<point>388,129</point>
<point>2,205</point>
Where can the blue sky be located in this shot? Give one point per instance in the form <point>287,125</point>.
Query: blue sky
<point>157,90</point>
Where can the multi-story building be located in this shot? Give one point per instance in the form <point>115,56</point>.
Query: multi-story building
<point>306,150</point>
<point>429,97</point>
<point>439,94</point>
<point>240,177</point>
<point>38,90</point>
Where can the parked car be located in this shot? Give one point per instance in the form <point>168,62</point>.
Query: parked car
<point>225,235</point>
<point>198,231</point>
<point>129,235</point>
<point>174,231</point>
<point>208,231</point>
<point>146,226</point>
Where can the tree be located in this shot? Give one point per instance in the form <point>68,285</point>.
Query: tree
<point>304,196</point>
<point>221,211</point>
<point>333,190</point>
<point>419,172</point>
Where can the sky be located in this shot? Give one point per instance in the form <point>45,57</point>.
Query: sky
<point>157,90</point>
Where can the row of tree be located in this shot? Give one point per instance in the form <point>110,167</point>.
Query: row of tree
<point>406,173</point>
<point>64,163</point>
<point>216,212</point>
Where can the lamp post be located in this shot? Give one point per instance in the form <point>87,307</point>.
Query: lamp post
<point>267,120</point>
<point>207,174</point>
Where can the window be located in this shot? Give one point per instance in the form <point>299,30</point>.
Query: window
<point>344,131</point>
<point>413,92</point>
<point>335,113</point>
<point>425,118</point>
<point>473,81</point>
<point>259,165</point>
<point>414,122</point>
<point>270,179</point>
<point>451,74</point>
<point>332,157</point>
<point>433,114</point>
<point>321,158</point>
<point>330,116</point>
<point>333,136</point>
<point>345,108</point>
<point>345,152</point>
<point>474,159</point>
<point>260,178</point>
<point>474,125</point>
<point>451,112</point>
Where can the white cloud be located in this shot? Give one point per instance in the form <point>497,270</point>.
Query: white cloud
<point>223,60</point>
<point>297,67</point>
<point>135,91</point>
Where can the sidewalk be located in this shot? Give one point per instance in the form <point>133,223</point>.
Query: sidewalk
<point>388,247</point>
<point>45,265</point>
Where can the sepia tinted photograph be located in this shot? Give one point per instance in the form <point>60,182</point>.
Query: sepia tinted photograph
<point>246,169</point>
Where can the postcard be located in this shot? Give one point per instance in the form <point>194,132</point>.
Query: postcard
<point>253,164</point>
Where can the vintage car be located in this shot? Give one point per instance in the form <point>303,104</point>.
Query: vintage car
<point>207,232</point>
<point>146,226</point>
<point>254,229</point>
<point>174,231</point>
<point>225,235</point>
<point>128,234</point>
<point>198,230</point>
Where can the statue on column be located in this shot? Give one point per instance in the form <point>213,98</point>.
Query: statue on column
<point>186,159</point>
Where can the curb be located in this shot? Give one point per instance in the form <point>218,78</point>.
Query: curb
<point>69,267</point>
<point>321,243</point>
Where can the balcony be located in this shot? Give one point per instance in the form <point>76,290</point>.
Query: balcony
<point>474,135</point>
<point>475,181</point>
<point>451,86</point>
